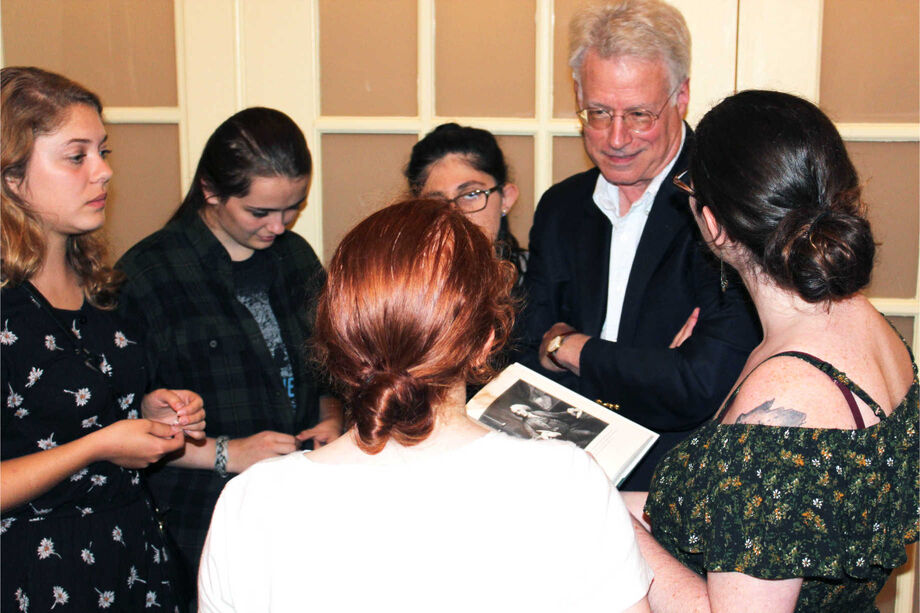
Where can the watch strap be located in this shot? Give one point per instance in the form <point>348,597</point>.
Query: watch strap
<point>220,455</point>
<point>552,354</point>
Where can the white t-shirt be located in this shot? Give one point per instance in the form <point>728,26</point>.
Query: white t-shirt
<point>500,524</point>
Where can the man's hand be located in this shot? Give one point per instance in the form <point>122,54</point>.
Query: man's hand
<point>686,330</point>
<point>569,354</point>
<point>182,408</point>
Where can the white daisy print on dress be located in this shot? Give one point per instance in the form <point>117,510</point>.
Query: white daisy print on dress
<point>22,599</point>
<point>84,511</point>
<point>118,537</point>
<point>106,599</point>
<point>5,524</point>
<point>132,414</point>
<point>125,401</point>
<point>79,474</point>
<point>34,375</point>
<point>51,343</point>
<point>132,577</point>
<point>89,422</point>
<point>87,555</point>
<point>60,595</point>
<point>7,337</point>
<point>105,367</point>
<point>14,399</point>
<point>46,443</point>
<point>151,600</point>
<point>135,478</point>
<point>46,549</point>
<point>156,554</point>
<point>75,330</point>
<point>21,412</point>
<point>99,480</point>
<point>122,341</point>
<point>81,396</point>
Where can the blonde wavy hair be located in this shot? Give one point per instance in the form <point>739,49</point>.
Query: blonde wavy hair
<point>35,102</point>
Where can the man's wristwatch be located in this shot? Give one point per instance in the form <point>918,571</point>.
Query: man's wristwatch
<point>554,344</point>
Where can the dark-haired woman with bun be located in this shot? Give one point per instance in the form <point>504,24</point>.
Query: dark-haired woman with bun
<point>802,493</point>
<point>421,508</point>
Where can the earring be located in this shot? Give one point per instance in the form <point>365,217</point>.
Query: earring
<point>504,212</point>
<point>723,281</point>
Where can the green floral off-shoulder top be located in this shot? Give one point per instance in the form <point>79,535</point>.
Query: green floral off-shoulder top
<point>836,507</point>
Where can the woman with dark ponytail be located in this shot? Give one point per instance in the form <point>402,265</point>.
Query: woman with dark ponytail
<point>421,508</point>
<point>223,294</point>
<point>802,493</point>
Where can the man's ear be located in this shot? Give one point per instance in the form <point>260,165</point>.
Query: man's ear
<point>716,231</point>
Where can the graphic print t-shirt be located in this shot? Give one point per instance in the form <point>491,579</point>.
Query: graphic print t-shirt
<point>251,277</point>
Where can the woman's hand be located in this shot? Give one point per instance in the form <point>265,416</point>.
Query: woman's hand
<point>244,452</point>
<point>183,408</point>
<point>135,443</point>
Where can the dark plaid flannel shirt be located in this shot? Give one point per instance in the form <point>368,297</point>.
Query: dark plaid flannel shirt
<point>180,296</point>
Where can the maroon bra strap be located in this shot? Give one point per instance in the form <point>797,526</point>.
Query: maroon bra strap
<point>851,402</point>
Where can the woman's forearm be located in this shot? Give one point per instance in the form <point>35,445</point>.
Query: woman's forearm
<point>25,478</point>
<point>676,588</point>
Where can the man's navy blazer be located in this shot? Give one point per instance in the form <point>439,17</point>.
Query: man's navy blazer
<point>671,391</point>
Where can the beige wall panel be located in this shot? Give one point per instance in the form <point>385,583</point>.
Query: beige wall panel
<point>123,50</point>
<point>361,173</point>
<point>145,187</point>
<point>368,57</point>
<point>779,46</point>
<point>712,25</point>
<point>563,94</point>
<point>485,58</point>
<point>889,172</point>
<point>518,152</point>
<point>569,157</point>
<point>869,60</point>
<point>211,79</point>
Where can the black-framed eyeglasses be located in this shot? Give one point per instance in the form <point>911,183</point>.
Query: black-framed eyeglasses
<point>682,181</point>
<point>636,121</point>
<point>474,201</point>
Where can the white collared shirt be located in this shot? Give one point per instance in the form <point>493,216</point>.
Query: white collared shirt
<point>624,239</point>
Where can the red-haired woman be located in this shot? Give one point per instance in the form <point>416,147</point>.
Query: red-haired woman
<point>420,507</point>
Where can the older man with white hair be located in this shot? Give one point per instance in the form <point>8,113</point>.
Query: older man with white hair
<point>623,305</point>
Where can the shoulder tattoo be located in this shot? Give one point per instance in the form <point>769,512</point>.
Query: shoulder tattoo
<point>767,415</point>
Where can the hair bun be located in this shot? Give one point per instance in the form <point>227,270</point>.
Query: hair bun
<point>394,405</point>
<point>824,256</point>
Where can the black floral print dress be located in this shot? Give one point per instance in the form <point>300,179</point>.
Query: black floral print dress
<point>91,542</point>
<point>836,507</point>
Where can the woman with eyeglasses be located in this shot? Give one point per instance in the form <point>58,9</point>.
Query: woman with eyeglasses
<point>421,508</point>
<point>77,528</point>
<point>802,493</point>
<point>466,166</point>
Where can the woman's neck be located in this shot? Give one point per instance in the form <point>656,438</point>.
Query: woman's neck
<point>786,318</point>
<point>452,429</point>
<point>58,282</point>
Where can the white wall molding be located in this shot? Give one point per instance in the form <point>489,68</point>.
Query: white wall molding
<point>880,132</point>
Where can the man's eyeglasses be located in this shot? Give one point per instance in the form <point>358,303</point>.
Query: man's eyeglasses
<point>639,120</point>
<point>682,181</point>
<point>474,201</point>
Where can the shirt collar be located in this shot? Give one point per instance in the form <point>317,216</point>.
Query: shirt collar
<point>607,195</point>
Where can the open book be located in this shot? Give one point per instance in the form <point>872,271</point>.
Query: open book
<point>523,403</point>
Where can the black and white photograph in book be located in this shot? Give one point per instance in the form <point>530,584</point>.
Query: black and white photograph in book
<point>528,412</point>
